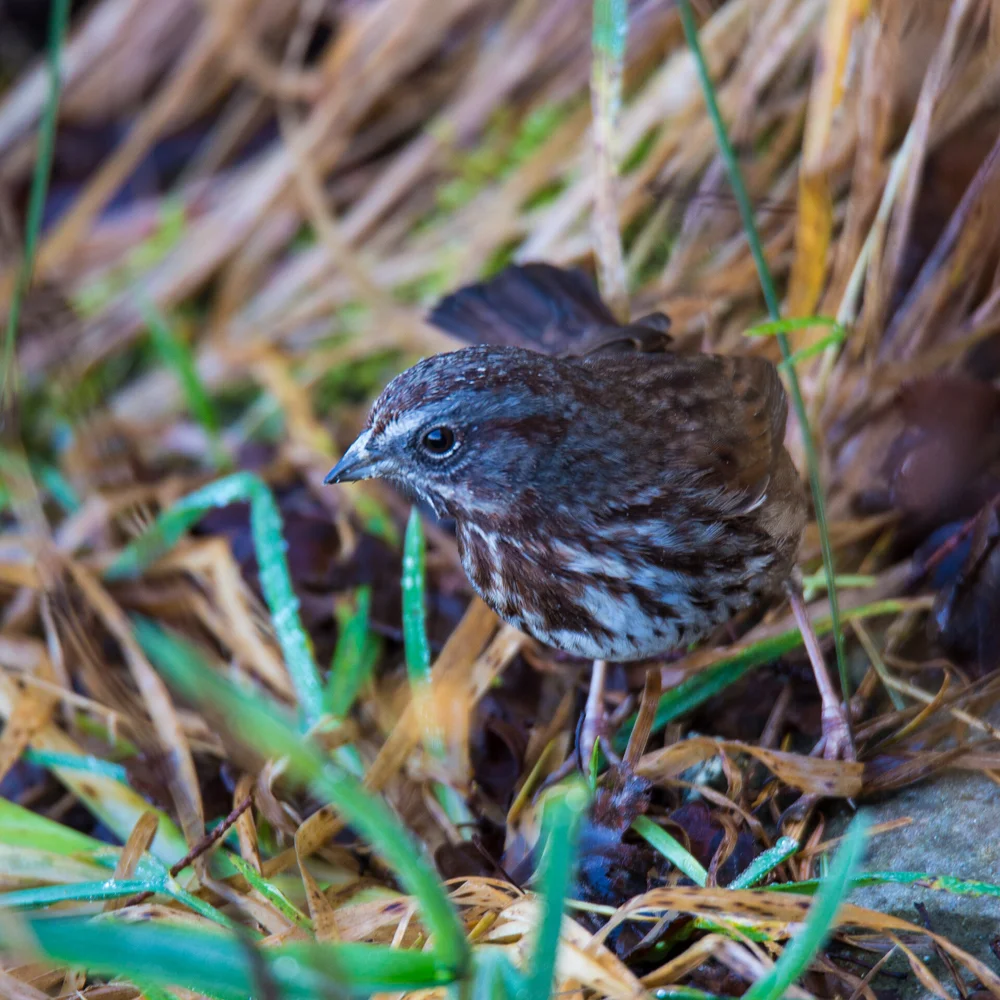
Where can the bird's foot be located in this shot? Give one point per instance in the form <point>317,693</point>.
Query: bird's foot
<point>836,742</point>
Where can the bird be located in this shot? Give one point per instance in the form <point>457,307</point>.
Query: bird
<point>613,497</point>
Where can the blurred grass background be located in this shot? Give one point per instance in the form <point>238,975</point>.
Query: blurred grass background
<point>243,751</point>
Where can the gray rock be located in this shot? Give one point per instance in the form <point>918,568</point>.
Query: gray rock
<point>955,831</point>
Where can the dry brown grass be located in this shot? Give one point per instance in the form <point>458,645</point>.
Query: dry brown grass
<point>303,180</point>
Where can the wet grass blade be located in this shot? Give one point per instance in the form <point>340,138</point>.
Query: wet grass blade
<point>353,658</point>
<point>774,309</point>
<point>275,578</point>
<point>921,880</point>
<point>671,848</point>
<point>59,11</point>
<point>78,762</point>
<point>418,662</point>
<point>608,41</point>
<point>79,892</point>
<point>415,644</point>
<point>764,863</point>
<point>157,879</point>
<point>262,726</point>
<point>803,948</point>
<point>271,893</point>
<point>564,811</point>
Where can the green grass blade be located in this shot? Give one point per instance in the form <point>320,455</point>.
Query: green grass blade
<point>177,356</point>
<point>271,893</point>
<point>58,486</point>
<point>814,584</point>
<point>774,309</point>
<point>764,863</point>
<point>78,892</point>
<point>564,811</point>
<point>276,582</point>
<point>837,336</point>
<point>159,880</point>
<point>705,684</point>
<point>24,864</point>
<point>170,526</point>
<point>610,29</point>
<point>671,848</point>
<point>418,650</point>
<point>59,12</point>
<point>921,880</point>
<point>486,982</point>
<point>801,950</point>
<point>675,992</point>
<point>20,827</point>
<point>218,964</point>
<point>149,991</point>
<point>275,578</point>
<point>418,662</point>
<point>119,807</point>
<point>263,727</point>
<point>154,878</point>
<point>788,324</point>
<point>353,658</point>
<point>77,762</point>
<point>495,977</point>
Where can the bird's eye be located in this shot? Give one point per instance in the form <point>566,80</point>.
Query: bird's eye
<point>439,441</point>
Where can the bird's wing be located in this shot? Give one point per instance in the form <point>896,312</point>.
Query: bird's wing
<point>718,419</point>
<point>537,306</point>
<point>647,335</point>
<point>761,405</point>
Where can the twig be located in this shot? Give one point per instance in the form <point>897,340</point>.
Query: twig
<point>199,848</point>
<point>872,973</point>
<point>941,953</point>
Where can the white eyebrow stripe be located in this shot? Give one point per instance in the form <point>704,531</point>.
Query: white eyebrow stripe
<point>405,424</point>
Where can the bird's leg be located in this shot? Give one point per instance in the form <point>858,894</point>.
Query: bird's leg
<point>593,715</point>
<point>837,741</point>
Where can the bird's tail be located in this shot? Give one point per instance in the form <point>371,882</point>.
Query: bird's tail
<point>537,306</point>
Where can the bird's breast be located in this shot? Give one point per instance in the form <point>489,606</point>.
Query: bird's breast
<point>621,597</point>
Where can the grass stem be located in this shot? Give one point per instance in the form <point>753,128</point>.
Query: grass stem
<point>774,309</point>
<point>58,21</point>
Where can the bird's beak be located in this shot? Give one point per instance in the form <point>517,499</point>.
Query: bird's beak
<point>358,463</point>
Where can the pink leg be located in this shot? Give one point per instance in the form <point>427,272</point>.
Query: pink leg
<point>593,715</point>
<point>837,741</point>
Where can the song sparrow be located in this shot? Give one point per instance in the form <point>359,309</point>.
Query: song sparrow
<point>618,504</point>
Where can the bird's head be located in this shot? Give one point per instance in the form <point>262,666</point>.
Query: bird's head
<point>467,431</point>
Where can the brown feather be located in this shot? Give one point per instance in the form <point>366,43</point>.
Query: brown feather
<point>617,501</point>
